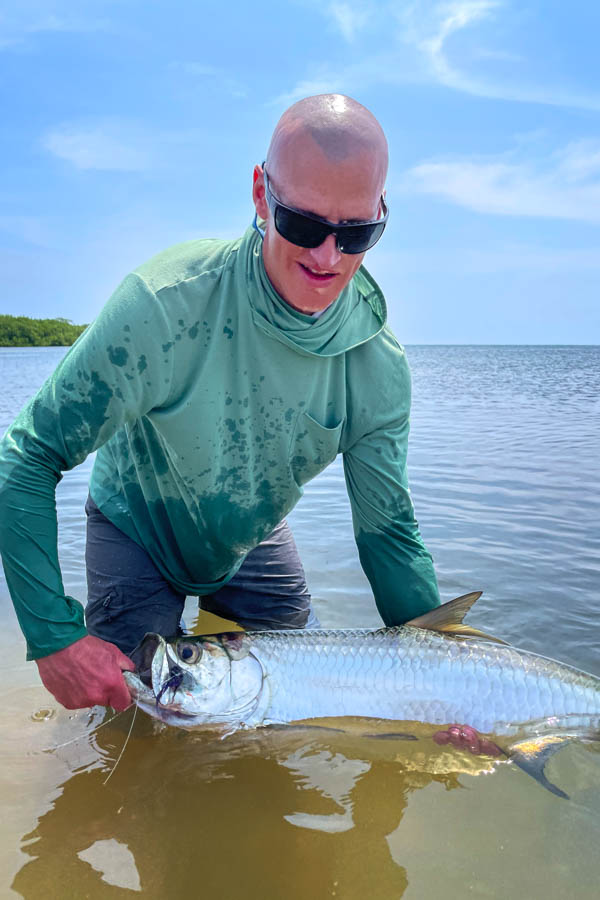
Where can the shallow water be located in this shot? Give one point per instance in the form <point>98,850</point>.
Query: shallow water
<point>504,468</point>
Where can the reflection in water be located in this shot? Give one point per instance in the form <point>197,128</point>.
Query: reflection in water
<point>333,776</point>
<point>114,862</point>
<point>181,806</point>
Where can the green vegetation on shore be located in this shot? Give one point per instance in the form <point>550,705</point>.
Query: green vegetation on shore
<point>21,331</point>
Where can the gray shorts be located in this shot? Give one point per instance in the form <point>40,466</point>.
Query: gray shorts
<point>128,596</point>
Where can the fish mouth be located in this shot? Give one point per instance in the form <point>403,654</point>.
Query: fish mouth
<point>150,657</point>
<point>143,655</point>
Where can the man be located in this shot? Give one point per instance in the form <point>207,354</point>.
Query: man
<point>220,377</point>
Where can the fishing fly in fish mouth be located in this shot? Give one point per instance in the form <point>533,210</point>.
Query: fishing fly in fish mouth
<point>171,683</point>
<point>435,670</point>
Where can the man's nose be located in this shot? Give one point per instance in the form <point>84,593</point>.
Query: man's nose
<point>326,256</point>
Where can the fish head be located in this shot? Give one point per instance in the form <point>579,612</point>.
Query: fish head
<point>211,680</point>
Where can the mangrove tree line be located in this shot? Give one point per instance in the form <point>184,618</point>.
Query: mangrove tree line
<point>21,331</point>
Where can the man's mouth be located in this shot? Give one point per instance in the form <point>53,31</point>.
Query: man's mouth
<point>315,276</point>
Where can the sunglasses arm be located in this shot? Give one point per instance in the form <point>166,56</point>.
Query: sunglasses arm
<point>257,227</point>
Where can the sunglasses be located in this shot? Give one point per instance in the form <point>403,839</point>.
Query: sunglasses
<point>307,230</point>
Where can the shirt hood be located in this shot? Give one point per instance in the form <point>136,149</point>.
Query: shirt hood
<point>356,316</point>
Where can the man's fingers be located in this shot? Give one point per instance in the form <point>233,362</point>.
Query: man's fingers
<point>464,737</point>
<point>120,697</point>
<point>119,703</point>
<point>124,663</point>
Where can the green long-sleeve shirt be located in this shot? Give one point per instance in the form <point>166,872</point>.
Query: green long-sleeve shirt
<point>211,402</point>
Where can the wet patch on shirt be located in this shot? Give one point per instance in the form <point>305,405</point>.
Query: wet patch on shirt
<point>233,480</point>
<point>80,420</point>
<point>198,544</point>
<point>117,355</point>
<point>140,449</point>
<point>235,488</point>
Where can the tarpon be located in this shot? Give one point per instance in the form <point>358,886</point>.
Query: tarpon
<point>435,670</point>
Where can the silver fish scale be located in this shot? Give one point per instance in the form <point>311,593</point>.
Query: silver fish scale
<point>414,674</point>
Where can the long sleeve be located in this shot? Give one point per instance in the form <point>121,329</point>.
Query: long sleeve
<point>392,553</point>
<point>109,377</point>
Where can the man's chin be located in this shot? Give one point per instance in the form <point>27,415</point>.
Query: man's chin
<point>313,298</point>
<point>310,305</point>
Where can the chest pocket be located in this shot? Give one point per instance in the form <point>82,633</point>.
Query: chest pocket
<point>313,447</point>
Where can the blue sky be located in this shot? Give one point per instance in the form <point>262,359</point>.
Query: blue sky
<point>131,125</point>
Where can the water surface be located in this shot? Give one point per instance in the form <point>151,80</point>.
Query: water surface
<point>504,454</point>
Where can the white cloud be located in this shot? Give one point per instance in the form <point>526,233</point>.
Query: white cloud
<point>218,77</point>
<point>446,44</point>
<point>447,19</point>
<point>354,78</point>
<point>329,84</point>
<point>431,36</point>
<point>65,24</point>
<point>349,18</point>
<point>109,145</point>
<point>124,145</point>
<point>30,17</point>
<point>565,185</point>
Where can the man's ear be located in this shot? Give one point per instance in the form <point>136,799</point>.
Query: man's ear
<point>258,193</point>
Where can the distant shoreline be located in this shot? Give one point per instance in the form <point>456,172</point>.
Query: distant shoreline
<point>21,331</point>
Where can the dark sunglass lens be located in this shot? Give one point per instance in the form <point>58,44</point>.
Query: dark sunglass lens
<point>298,229</point>
<point>358,238</point>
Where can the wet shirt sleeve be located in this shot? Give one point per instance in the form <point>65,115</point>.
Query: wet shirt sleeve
<point>392,553</point>
<point>113,374</point>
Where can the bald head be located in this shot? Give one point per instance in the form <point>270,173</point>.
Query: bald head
<point>332,126</point>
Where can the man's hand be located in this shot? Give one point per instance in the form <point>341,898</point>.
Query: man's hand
<point>87,673</point>
<point>466,738</point>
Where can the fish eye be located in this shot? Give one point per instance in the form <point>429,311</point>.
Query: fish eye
<point>188,652</point>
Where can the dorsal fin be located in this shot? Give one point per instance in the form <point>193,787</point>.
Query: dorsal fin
<point>448,618</point>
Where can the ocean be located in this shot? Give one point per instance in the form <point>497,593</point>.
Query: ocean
<point>504,462</point>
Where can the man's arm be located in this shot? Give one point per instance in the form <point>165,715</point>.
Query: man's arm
<point>113,374</point>
<point>392,553</point>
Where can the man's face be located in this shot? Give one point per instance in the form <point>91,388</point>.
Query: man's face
<point>311,279</point>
